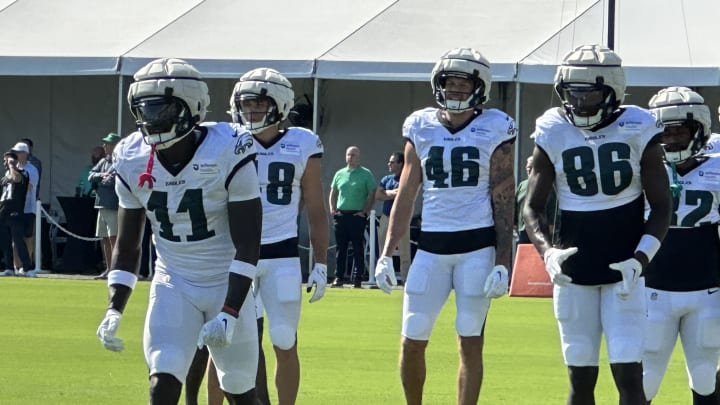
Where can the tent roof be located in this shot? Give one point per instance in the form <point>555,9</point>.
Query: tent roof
<point>77,37</point>
<point>284,34</point>
<point>672,45</point>
<point>404,42</point>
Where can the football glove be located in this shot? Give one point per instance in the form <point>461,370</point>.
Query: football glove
<point>318,277</point>
<point>217,332</point>
<point>107,329</point>
<point>496,284</point>
<point>554,258</point>
<point>385,274</point>
<point>630,270</point>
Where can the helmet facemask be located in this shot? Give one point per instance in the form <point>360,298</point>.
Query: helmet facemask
<point>587,105</point>
<point>163,120</point>
<point>256,112</point>
<point>682,140</point>
<point>449,100</point>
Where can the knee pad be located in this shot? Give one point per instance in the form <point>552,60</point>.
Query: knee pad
<point>702,378</point>
<point>651,383</point>
<point>578,351</point>
<point>417,327</point>
<point>627,347</point>
<point>469,324</point>
<point>283,337</point>
<point>240,382</point>
<point>170,361</point>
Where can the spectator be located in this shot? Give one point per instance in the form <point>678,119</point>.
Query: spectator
<point>12,202</point>
<point>83,187</point>
<point>35,162</point>
<point>550,209</point>
<point>102,176</point>
<point>22,150</point>
<point>352,195</point>
<point>386,192</point>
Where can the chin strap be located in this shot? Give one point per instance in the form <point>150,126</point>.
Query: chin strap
<point>147,177</point>
<point>675,187</point>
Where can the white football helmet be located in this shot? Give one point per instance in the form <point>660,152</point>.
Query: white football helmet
<point>168,99</point>
<point>258,83</point>
<point>680,106</point>
<point>466,63</point>
<point>591,84</point>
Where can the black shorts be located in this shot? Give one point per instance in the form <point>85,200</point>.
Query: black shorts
<point>28,225</point>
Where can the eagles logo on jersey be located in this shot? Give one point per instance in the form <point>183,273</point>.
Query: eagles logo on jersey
<point>244,143</point>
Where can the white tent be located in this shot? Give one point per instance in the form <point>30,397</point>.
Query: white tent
<point>64,65</point>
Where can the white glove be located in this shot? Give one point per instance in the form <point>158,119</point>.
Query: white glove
<point>217,332</point>
<point>107,329</point>
<point>630,270</point>
<point>496,284</point>
<point>554,258</point>
<point>385,274</point>
<point>318,276</point>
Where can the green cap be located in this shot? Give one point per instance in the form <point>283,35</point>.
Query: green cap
<point>112,138</point>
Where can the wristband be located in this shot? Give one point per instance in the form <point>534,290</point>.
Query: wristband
<point>122,277</point>
<point>243,269</point>
<point>648,245</point>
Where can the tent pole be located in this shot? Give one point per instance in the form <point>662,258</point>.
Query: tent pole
<point>120,104</point>
<point>518,143</point>
<point>611,24</point>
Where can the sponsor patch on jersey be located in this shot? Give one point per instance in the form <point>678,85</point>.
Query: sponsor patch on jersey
<point>630,125</point>
<point>205,168</point>
<point>479,131</point>
<point>709,177</point>
<point>289,149</point>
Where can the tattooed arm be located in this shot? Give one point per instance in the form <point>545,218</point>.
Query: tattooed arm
<point>502,190</point>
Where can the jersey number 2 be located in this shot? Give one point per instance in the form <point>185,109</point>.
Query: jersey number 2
<point>192,203</point>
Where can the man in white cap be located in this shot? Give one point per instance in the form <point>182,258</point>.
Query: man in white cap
<point>22,150</point>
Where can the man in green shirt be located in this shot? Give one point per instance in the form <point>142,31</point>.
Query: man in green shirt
<point>352,195</point>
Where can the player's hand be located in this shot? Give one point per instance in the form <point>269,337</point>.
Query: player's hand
<point>554,258</point>
<point>318,277</point>
<point>217,332</point>
<point>107,329</point>
<point>630,270</point>
<point>385,274</point>
<point>496,283</point>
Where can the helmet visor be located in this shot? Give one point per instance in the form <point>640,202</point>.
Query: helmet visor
<point>585,100</point>
<point>158,114</point>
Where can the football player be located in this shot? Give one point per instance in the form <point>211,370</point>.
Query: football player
<point>601,156</point>
<point>197,184</point>
<point>461,154</point>
<point>290,172</point>
<point>682,282</point>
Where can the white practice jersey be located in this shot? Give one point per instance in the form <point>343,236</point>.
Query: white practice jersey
<point>281,166</point>
<point>188,212</point>
<point>456,167</point>
<point>589,165</point>
<point>713,144</point>
<point>699,198</point>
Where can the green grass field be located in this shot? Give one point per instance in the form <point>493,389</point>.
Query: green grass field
<point>348,343</point>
